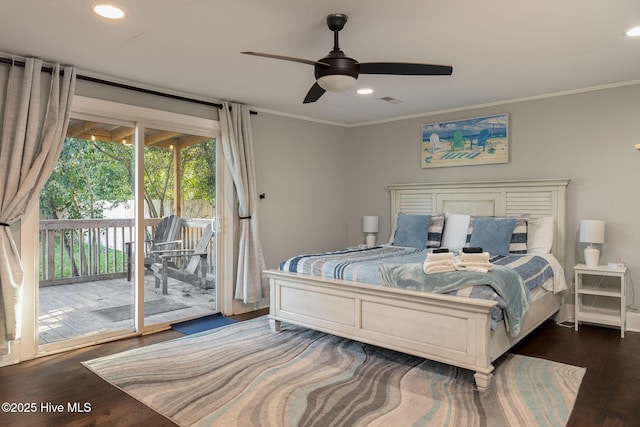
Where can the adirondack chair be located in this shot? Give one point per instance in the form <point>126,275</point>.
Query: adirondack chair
<point>196,271</point>
<point>434,138</point>
<point>165,238</point>
<point>458,141</point>
<point>483,137</point>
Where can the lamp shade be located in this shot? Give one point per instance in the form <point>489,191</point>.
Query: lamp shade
<point>591,231</point>
<point>370,224</point>
<point>336,82</point>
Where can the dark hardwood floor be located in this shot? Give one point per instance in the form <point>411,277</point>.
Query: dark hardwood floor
<point>609,395</point>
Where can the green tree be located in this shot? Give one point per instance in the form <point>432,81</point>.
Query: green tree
<point>92,176</point>
<point>84,182</point>
<point>199,172</point>
<point>158,179</point>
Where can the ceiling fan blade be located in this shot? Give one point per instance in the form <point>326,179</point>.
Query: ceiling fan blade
<point>285,58</point>
<point>314,94</point>
<point>404,69</point>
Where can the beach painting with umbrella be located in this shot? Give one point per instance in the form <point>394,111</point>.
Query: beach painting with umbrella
<point>477,141</point>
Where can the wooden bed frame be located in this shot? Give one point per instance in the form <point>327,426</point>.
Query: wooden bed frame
<point>450,329</point>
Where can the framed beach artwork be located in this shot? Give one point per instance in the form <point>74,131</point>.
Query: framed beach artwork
<point>477,141</point>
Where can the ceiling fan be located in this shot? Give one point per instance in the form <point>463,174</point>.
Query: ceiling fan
<point>337,72</point>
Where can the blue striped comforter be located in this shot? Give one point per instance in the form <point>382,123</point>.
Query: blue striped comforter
<point>364,265</point>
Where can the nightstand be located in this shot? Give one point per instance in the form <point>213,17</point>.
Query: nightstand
<point>601,303</point>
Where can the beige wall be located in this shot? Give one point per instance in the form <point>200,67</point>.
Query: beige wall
<point>588,137</point>
<point>302,170</point>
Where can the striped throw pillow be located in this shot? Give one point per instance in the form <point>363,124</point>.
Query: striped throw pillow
<point>434,233</point>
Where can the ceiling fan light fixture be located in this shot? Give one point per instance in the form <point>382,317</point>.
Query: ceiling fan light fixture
<point>336,82</point>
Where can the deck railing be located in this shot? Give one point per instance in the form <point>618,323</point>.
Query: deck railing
<point>80,250</point>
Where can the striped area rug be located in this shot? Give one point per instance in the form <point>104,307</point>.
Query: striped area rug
<point>246,375</point>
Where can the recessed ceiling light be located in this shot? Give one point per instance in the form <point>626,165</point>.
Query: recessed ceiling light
<point>634,32</point>
<point>365,91</point>
<point>109,11</point>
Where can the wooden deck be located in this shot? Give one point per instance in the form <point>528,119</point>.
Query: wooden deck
<point>78,309</point>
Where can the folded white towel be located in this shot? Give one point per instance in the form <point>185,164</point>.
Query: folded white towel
<point>480,267</point>
<point>475,257</point>
<point>439,263</point>
<point>439,256</point>
<point>439,266</point>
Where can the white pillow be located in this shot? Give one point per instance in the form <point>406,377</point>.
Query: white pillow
<point>540,235</point>
<point>456,227</point>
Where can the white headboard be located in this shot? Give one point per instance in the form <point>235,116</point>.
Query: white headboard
<point>538,198</point>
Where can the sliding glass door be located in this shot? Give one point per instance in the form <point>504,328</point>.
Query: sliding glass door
<point>179,198</point>
<point>86,226</point>
<point>90,281</point>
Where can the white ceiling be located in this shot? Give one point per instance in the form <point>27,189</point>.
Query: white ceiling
<point>499,49</point>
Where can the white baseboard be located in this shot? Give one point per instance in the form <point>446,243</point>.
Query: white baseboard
<point>633,317</point>
<point>633,321</point>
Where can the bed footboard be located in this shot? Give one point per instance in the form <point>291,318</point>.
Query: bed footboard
<point>448,329</point>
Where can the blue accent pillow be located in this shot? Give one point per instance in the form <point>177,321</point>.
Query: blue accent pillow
<point>411,230</point>
<point>493,235</point>
<point>518,243</point>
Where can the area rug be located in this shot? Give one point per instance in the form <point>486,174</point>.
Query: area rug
<point>246,375</point>
<point>202,324</point>
<point>124,312</point>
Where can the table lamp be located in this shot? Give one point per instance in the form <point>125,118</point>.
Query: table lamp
<point>370,227</point>
<point>591,232</point>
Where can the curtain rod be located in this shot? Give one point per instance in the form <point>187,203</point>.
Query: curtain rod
<point>124,86</point>
<point>147,91</point>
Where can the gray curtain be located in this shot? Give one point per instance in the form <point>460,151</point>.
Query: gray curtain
<point>33,130</point>
<point>237,146</point>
